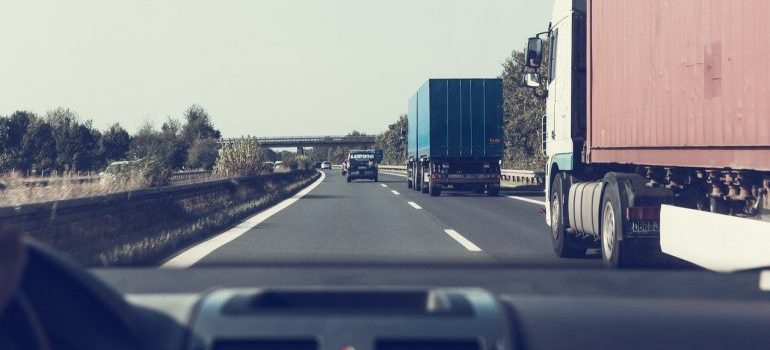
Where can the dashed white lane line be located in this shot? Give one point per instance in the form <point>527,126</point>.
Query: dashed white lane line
<point>395,192</point>
<point>197,252</point>
<point>462,240</point>
<point>383,185</point>
<point>394,174</point>
<point>414,205</point>
<point>528,200</point>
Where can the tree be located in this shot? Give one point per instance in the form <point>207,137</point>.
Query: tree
<point>63,123</point>
<point>393,143</point>
<point>202,153</point>
<point>523,113</point>
<point>115,143</point>
<point>198,125</point>
<point>12,131</point>
<point>38,148</point>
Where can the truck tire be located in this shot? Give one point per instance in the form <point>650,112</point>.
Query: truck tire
<point>415,184</point>
<point>493,191</point>
<point>375,178</point>
<point>349,179</point>
<point>408,183</point>
<point>435,191</point>
<point>564,245</point>
<point>615,252</point>
<point>478,189</point>
<point>423,187</point>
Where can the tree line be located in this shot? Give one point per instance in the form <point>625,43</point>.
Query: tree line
<point>60,141</point>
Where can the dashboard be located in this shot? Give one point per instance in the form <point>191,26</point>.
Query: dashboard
<point>388,308</point>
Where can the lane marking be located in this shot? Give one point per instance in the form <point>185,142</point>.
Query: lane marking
<point>199,251</point>
<point>462,240</point>
<point>414,205</point>
<point>528,200</point>
<point>394,174</point>
<point>383,185</point>
<point>395,192</point>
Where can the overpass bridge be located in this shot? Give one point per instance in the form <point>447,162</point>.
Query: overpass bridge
<point>300,142</point>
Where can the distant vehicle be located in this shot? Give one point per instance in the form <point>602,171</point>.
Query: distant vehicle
<point>362,164</point>
<point>268,166</point>
<point>118,170</point>
<point>455,136</point>
<point>326,165</point>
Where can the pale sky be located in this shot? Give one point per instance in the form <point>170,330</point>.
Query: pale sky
<point>262,68</point>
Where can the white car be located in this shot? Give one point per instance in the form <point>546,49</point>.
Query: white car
<point>326,165</point>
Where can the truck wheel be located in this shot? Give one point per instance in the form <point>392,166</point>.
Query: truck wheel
<point>415,184</point>
<point>614,251</point>
<point>478,189</point>
<point>493,191</point>
<point>435,191</point>
<point>563,244</point>
<point>375,178</point>
<point>423,187</point>
<point>349,179</point>
<point>408,183</point>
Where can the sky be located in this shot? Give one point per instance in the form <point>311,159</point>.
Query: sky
<point>259,67</point>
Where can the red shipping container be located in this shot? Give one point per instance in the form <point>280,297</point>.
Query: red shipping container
<point>679,83</point>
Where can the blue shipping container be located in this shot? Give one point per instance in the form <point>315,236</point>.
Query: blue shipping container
<point>456,118</point>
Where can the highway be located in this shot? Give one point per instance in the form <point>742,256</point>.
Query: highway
<point>386,223</point>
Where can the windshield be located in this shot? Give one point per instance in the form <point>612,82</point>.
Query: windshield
<point>387,132</point>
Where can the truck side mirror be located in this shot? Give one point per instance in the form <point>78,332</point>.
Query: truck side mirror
<point>534,55</point>
<point>532,79</point>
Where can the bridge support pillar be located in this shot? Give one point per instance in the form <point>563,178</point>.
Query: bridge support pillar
<point>300,150</point>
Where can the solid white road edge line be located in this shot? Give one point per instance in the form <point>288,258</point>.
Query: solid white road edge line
<point>462,240</point>
<point>199,251</point>
<point>414,205</point>
<point>395,192</point>
<point>527,200</point>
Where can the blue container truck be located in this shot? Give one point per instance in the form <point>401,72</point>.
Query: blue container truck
<point>455,136</point>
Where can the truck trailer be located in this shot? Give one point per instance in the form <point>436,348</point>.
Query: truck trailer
<point>657,127</point>
<point>455,136</point>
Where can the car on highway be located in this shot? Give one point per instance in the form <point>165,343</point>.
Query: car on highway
<point>119,171</point>
<point>326,165</point>
<point>362,164</point>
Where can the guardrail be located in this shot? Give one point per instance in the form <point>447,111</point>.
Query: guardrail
<point>144,225</point>
<point>529,177</point>
<point>180,177</point>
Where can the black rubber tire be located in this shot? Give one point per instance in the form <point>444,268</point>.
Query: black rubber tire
<point>349,179</point>
<point>416,184</point>
<point>435,191</point>
<point>617,255</point>
<point>408,183</point>
<point>375,179</point>
<point>423,187</point>
<point>493,191</point>
<point>563,244</point>
<point>478,189</point>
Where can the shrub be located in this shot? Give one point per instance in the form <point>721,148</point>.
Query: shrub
<point>242,157</point>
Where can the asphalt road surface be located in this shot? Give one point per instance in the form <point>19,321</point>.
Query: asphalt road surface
<point>385,222</point>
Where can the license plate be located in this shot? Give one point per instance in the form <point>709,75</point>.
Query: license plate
<point>353,173</point>
<point>645,226</point>
<point>362,168</point>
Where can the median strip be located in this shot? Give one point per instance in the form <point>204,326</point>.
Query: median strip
<point>528,200</point>
<point>414,205</point>
<point>462,240</point>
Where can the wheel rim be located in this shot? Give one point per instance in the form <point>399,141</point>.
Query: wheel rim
<point>608,230</point>
<point>555,216</point>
